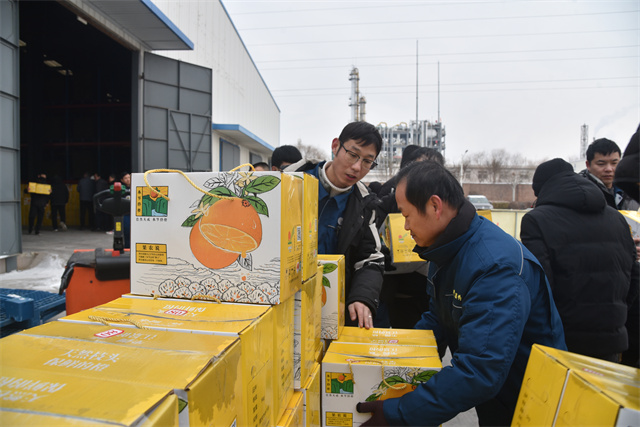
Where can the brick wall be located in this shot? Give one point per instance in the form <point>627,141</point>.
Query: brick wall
<point>502,192</point>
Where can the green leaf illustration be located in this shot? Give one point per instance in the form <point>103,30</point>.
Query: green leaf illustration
<point>371,398</point>
<point>392,380</point>
<point>328,268</point>
<point>208,200</point>
<point>258,204</point>
<point>423,376</point>
<point>190,222</point>
<point>326,282</point>
<point>262,184</point>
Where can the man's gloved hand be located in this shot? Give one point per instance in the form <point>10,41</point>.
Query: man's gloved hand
<point>377,417</point>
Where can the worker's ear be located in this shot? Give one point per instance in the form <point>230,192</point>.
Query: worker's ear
<point>435,206</point>
<point>335,146</point>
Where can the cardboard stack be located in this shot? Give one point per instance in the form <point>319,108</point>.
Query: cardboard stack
<point>358,372</point>
<point>567,389</point>
<point>400,244</point>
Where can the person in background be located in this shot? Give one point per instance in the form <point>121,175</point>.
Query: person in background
<point>587,253</point>
<point>284,156</point>
<point>38,204</point>
<point>404,296</point>
<point>490,301</point>
<point>125,179</point>
<point>603,156</point>
<point>627,178</point>
<point>59,200</point>
<point>103,220</point>
<point>347,218</point>
<point>86,189</point>
<point>261,166</point>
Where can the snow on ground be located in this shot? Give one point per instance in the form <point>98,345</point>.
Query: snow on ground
<point>43,274</point>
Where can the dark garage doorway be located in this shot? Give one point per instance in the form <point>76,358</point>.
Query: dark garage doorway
<point>75,96</point>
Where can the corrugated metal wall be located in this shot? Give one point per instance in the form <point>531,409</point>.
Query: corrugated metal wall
<point>240,96</point>
<point>10,224</point>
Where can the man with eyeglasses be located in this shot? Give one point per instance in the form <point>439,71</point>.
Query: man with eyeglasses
<point>346,216</point>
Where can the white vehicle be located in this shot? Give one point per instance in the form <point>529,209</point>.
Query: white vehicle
<point>480,202</point>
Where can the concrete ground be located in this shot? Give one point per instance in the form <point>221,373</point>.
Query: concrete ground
<point>44,256</point>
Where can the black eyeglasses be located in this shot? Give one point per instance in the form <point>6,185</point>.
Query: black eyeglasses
<point>353,158</point>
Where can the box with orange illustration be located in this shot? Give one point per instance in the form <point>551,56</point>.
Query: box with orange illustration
<point>568,389</point>
<point>252,323</point>
<point>33,397</point>
<point>235,236</point>
<point>333,297</point>
<point>400,244</point>
<point>353,373</point>
<point>309,224</point>
<point>307,321</point>
<point>311,391</point>
<point>214,398</point>
<point>388,336</point>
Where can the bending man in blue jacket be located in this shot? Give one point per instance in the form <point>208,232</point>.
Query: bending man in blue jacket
<point>490,302</point>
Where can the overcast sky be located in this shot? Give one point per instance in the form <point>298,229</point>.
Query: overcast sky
<point>517,75</point>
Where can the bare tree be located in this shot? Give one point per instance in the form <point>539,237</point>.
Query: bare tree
<point>310,152</point>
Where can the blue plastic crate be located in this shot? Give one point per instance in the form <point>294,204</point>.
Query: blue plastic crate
<point>21,309</point>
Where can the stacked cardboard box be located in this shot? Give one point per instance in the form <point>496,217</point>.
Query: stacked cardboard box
<point>240,241</point>
<point>333,295</point>
<point>358,372</point>
<point>253,324</point>
<point>567,389</point>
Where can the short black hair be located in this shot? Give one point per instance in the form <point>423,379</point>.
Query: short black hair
<point>603,146</point>
<point>429,178</point>
<point>424,153</point>
<point>285,153</point>
<point>261,164</point>
<point>363,134</point>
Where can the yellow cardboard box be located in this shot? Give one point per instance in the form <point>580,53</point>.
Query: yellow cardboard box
<point>33,397</point>
<point>311,391</point>
<point>333,297</point>
<point>38,188</point>
<point>400,244</point>
<point>354,372</point>
<point>283,360</point>
<point>388,336</point>
<point>293,415</point>
<point>245,247</point>
<point>253,323</point>
<point>307,320</point>
<point>633,219</point>
<point>508,220</point>
<point>309,224</point>
<point>214,397</point>
<point>562,388</point>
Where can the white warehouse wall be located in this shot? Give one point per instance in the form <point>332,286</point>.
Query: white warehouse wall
<point>240,95</point>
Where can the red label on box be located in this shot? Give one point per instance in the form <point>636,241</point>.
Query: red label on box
<point>176,312</point>
<point>109,333</point>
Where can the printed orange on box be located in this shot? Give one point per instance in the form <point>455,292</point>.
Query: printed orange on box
<point>235,236</point>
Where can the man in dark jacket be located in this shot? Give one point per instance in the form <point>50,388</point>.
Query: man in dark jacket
<point>59,199</point>
<point>490,301</point>
<point>628,179</point>
<point>39,200</point>
<point>346,216</point>
<point>86,189</point>
<point>587,252</point>
<point>603,156</point>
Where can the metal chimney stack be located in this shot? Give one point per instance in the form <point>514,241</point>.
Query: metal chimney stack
<point>354,100</point>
